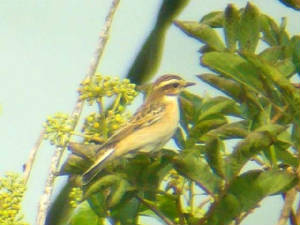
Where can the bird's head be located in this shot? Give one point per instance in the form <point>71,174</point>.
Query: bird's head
<point>170,85</point>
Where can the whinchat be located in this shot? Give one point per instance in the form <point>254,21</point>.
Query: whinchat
<point>153,124</point>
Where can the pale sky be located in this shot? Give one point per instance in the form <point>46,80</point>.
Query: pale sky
<point>45,49</point>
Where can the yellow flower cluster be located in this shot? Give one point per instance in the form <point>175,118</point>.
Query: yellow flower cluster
<point>100,126</point>
<point>97,126</point>
<point>12,189</point>
<point>59,129</point>
<point>94,89</point>
<point>75,196</point>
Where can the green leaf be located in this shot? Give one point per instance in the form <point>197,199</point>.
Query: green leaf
<point>270,30</point>
<point>249,28</point>
<point>296,133</point>
<point>231,26</point>
<point>246,191</point>
<point>204,126</point>
<point>286,67</point>
<point>272,129</point>
<point>84,215</point>
<point>295,4</point>
<point>214,156</point>
<point>203,33</point>
<point>213,19</point>
<point>295,42</point>
<point>117,192</point>
<point>97,203</point>
<point>234,67</point>
<point>127,210</point>
<point>228,131</point>
<point>154,173</point>
<point>255,142</point>
<point>227,86</point>
<point>271,73</point>
<point>220,104</point>
<point>179,138</point>
<point>98,185</point>
<point>167,205</point>
<point>283,155</point>
<point>272,54</point>
<point>273,34</point>
<point>191,165</point>
<point>190,107</point>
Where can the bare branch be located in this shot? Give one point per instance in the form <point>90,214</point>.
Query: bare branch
<point>298,212</point>
<point>29,164</point>
<point>56,158</point>
<point>288,204</point>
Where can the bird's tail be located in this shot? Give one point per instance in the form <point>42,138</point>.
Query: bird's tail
<point>97,166</point>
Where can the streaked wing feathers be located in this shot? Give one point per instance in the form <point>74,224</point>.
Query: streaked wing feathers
<point>145,117</point>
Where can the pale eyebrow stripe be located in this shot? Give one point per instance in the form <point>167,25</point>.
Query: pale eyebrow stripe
<point>167,82</point>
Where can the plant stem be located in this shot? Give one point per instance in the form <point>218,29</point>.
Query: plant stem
<point>273,156</point>
<point>288,204</point>
<point>100,105</point>
<point>32,156</point>
<point>192,196</point>
<point>57,156</point>
<point>179,208</point>
<point>279,114</point>
<point>116,102</point>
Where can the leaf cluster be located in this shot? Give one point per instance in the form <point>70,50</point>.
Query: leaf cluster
<point>231,151</point>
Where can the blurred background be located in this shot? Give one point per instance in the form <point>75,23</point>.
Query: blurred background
<point>45,50</point>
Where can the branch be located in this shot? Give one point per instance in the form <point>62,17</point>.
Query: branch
<point>288,204</point>
<point>192,196</point>
<point>29,164</point>
<point>298,212</point>
<point>57,156</point>
<point>156,211</point>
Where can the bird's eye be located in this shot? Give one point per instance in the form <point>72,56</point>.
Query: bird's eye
<point>175,85</point>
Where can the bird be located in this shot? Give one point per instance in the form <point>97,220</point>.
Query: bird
<point>150,128</point>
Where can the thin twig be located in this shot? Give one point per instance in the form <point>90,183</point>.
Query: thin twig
<point>279,114</point>
<point>288,204</point>
<point>56,158</point>
<point>297,216</point>
<point>204,202</point>
<point>192,196</point>
<point>293,218</point>
<point>298,212</point>
<point>156,211</point>
<point>32,156</point>
<point>179,208</point>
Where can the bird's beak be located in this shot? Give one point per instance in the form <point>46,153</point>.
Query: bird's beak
<point>187,84</point>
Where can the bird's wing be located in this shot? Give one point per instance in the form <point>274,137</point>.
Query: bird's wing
<point>146,116</point>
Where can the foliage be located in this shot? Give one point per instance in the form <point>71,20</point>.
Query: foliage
<point>12,190</point>
<point>233,150</point>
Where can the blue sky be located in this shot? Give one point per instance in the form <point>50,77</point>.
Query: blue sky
<point>45,49</point>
